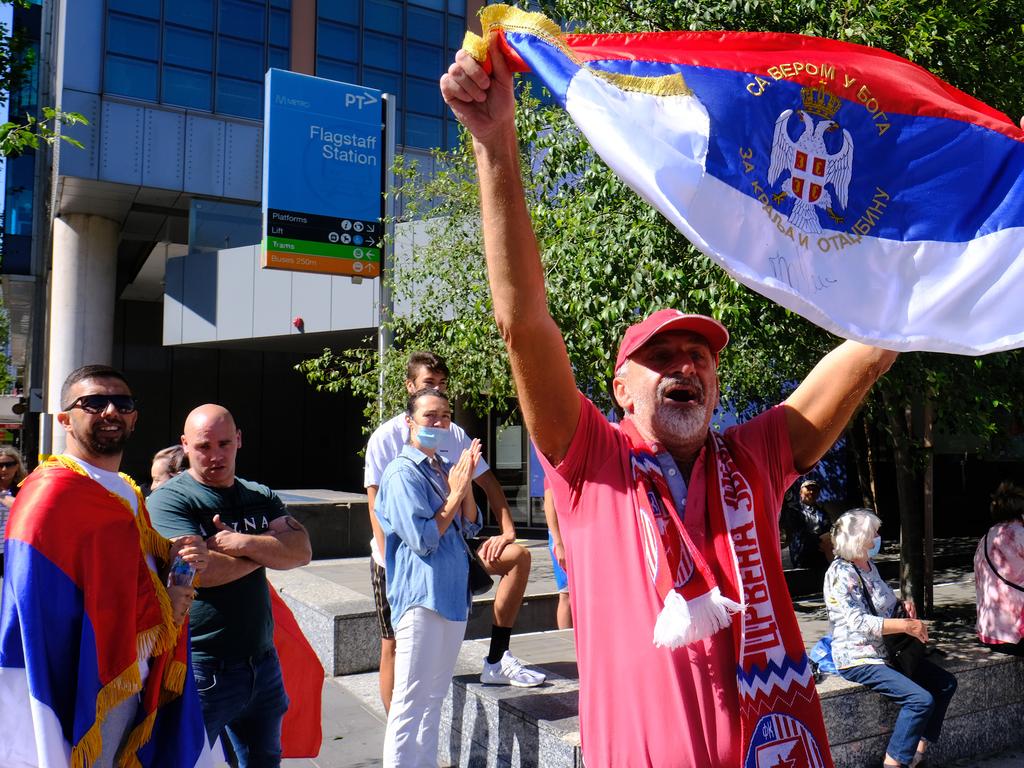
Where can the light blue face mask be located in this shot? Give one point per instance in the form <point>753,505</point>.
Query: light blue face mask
<point>429,437</point>
<point>876,547</point>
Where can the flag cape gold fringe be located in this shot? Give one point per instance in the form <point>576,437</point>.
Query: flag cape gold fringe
<point>149,643</point>
<point>494,18</point>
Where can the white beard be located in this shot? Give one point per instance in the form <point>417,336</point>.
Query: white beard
<point>679,423</point>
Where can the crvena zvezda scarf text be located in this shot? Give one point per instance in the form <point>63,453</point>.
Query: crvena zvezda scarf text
<point>780,715</point>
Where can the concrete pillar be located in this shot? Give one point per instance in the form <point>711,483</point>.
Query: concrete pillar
<point>82,284</point>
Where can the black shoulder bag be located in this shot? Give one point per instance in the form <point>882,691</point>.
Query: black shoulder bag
<point>905,651</point>
<point>480,581</point>
<point>999,576</point>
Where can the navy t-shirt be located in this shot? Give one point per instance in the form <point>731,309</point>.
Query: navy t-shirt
<point>234,620</point>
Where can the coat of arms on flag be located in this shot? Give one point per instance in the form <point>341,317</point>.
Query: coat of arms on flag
<point>843,182</point>
<point>819,176</point>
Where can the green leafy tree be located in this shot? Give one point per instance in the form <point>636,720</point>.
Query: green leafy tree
<point>610,258</point>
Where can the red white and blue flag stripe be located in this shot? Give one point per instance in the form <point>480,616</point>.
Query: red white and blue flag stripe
<point>78,610</point>
<point>843,182</point>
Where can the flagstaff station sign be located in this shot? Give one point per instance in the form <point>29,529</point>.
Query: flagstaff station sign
<point>323,159</point>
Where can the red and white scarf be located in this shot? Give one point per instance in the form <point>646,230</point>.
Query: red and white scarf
<point>780,715</point>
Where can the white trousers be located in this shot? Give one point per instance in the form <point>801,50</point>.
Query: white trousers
<point>426,648</point>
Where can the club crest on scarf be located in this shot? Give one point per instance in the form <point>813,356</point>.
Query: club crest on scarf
<point>781,741</point>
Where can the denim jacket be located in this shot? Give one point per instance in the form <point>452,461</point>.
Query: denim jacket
<point>423,567</point>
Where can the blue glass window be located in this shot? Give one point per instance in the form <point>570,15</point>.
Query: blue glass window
<point>422,131</point>
<point>423,96</point>
<point>190,13</point>
<point>280,28</point>
<point>148,8</point>
<point>240,59</point>
<point>456,32</point>
<point>241,19</point>
<point>338,10</point>
<point>437,5</point>
<point>337,41</point>
<point>188,48</point>
<point>382,51</point>
<point>383,81</point>
<point>286,4</point>
<point>383,15</point>
<point>337,70</point>
<point>423,60</point>
<point>130,77</point>
<point>426,26</point>
<point>186,88</point>
<point>239,97</point>
<point>133,37</point>
<point>457,6</point>
<point>278,58</point>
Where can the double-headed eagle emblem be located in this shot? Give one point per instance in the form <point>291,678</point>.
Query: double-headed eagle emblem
<point>810,166</point>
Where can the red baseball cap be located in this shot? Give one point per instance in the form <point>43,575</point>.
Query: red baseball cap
<point>672,320</point>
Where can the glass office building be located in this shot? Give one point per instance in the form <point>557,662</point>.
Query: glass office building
<point>169,174</point>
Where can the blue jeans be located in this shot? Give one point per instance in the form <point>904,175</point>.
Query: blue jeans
<point>923,700</point>
<point>245,699</point>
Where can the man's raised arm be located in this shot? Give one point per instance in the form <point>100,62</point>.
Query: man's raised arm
<point>819,409</point>
<point>485,104</point>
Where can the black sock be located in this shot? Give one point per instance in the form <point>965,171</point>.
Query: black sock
<point>500,637</point>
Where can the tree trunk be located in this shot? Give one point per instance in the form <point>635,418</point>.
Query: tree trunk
<point>859,441</point>
<point>908,487</point>
<point>928,560</point>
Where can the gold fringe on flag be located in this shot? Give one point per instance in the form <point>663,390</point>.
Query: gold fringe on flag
<point>150,643</point>
<point>495,18</point>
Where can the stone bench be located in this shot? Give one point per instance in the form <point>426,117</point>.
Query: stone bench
<point>513,728</point>
<point>341,623</point>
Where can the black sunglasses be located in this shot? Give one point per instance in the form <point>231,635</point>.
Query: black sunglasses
<point>8,464</point>
<point>94,404</point>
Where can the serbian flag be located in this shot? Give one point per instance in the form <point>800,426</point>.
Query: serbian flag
<point>303,678</point>
<point>80,606</point>
<point>843,182</point>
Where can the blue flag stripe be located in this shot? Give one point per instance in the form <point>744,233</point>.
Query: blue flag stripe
<point>920,178</point>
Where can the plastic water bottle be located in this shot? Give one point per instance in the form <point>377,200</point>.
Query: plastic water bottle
<point>181,573</point>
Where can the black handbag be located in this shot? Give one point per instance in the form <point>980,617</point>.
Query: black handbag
<point>905,651</point>
<point>480,581</point>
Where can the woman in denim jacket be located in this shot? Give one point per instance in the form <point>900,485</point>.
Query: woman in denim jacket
<point>425,507</point>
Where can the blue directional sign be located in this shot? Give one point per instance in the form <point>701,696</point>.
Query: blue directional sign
<point>323,158</point>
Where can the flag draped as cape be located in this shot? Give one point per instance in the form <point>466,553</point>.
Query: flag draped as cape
<point>80,607</point>
<point>843,182</point>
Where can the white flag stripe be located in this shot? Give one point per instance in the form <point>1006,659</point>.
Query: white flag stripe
<point>918,295</point>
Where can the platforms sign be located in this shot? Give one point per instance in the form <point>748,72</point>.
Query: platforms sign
<point>323,159</point>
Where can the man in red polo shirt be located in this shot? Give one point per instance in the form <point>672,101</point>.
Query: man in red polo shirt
<point>685,635</point>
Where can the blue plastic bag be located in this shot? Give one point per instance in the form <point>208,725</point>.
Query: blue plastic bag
<point>821,656</point>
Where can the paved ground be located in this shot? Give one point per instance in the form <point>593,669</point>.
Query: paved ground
<point>354,719</point>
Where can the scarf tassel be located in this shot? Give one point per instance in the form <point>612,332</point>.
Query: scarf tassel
<point>683,621</point>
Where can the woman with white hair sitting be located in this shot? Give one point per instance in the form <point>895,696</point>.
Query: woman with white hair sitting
<point>858,650</point>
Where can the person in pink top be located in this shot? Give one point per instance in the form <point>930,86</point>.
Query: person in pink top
<point>688,649</point>
<point>999,573</point>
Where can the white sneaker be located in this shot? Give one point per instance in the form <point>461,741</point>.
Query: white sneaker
<point>510,671</point>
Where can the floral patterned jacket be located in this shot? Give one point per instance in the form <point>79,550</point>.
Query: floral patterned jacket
<point>856,632</point>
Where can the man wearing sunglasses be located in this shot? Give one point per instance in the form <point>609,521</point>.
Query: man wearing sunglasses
<point>86,617</point>
<point>248,530</point>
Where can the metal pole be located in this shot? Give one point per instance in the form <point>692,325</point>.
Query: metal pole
<point>385,336</point>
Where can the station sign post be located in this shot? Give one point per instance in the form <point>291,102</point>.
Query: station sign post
<point>324,156</point>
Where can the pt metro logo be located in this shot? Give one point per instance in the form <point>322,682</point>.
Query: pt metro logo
<point>360,100</point>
